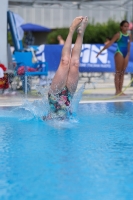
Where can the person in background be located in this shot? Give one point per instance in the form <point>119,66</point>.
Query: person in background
<point>122,54</point>
<point>28,39</point>
<point>61,40</point>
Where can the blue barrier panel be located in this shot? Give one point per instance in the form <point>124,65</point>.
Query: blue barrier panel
<point>88,60</point>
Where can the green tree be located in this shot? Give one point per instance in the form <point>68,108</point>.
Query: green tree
<point>9,38</point>
<point>95,33</point>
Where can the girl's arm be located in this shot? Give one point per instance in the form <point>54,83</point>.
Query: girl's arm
<point>115,38</point>
<point>129,44</point>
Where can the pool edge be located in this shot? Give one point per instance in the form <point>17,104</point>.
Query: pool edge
<point>106,101</point>
<point>81,102</point>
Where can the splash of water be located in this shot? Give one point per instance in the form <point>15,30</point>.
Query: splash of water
<point>39,108</point>
<point>76,98</point>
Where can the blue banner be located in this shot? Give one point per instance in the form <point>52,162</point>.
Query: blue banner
<point>88,60</point>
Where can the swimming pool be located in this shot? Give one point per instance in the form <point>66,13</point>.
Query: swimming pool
<point>89,157</point>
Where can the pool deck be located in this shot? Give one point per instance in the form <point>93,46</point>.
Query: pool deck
<point>106,95</point>
<point>89,96</point>
<point>104,92</point>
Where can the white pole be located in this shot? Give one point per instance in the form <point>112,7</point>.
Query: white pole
<point>3,31</point>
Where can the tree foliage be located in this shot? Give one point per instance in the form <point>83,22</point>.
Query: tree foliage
<point>95,33</point>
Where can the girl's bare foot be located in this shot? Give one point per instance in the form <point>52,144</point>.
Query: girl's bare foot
<point>76,23</point>
<point>118,93</point>
<point>123,94</point>
<point>83,25</point>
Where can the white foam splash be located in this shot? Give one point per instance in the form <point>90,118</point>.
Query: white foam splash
<point>39,108</point>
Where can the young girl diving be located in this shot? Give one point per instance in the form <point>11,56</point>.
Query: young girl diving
<point>121,56</point>
<point>64,83</point>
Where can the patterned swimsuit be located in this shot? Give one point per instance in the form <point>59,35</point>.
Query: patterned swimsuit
<point>60,103</point>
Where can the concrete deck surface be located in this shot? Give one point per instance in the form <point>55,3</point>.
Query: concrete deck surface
<point>104,91</point>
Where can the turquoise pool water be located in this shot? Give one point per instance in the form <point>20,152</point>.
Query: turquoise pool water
<point>89,157</point>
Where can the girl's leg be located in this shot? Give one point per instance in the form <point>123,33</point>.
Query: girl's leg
<point>60,78</point>
<point>73,75</point>
<point>119,61</point>
<point>123,71</point>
